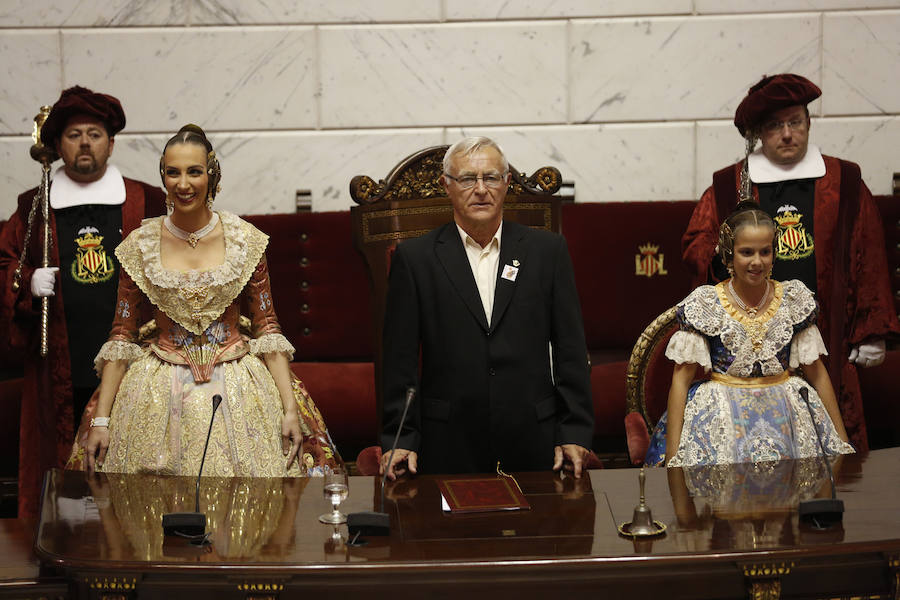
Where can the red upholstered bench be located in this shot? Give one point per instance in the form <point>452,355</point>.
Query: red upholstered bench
<point>628,269</point>
<point>321,295</point>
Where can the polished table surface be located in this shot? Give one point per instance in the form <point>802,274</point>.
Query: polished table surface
<point>728,527</point>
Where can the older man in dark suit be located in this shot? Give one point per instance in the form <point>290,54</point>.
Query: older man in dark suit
<point>483,319</point>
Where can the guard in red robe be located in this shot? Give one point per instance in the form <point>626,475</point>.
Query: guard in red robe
<point>829,231</point>
<point>92,208</point>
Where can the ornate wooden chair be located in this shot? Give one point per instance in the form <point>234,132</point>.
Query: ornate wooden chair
<point>647,380</point>
<point>410,202</point>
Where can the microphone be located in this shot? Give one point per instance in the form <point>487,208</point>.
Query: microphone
<point>379,523</point>
<point>821,513</point>
<point>192,524</point>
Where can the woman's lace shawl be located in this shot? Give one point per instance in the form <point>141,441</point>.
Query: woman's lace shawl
<point>790,319</point>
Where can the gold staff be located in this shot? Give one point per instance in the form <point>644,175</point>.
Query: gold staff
<point>44,155</point>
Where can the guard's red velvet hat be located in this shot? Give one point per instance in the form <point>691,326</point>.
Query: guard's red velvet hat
<point>772,93</point>
<point>82,101</point>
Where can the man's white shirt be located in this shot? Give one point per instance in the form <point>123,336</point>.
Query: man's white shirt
<point>484,262</point>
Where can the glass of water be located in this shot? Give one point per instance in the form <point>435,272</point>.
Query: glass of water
<point>335,490</point>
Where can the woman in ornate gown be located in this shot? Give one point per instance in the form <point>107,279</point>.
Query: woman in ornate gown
<point>196,270</point>
<point>752,333</point>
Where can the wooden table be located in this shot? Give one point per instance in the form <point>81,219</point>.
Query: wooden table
<point>732,532</point>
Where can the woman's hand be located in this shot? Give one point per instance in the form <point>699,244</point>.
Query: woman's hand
<point>95,447</point>
<point>290,436</point>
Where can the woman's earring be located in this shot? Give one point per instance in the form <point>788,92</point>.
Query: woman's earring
<point>209,201</point>
<point>170,204</point>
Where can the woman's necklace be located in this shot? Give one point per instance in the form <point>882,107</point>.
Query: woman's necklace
<point>756,329</point>
<point>750,310</point>
<point>193,237</point>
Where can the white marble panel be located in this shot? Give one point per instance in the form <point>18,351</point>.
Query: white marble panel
<point>261,172</point>
<point>682,68</point>
<point>869,141</point>
<point>90,13</point>
<point>31,77</point>
<point>20,172</point>
<point>241,12</point>
<point>221,78</point>
<point>137,156</point>
<point>762,6</point>
<point>485,73</point>
<point>536,9</point>
<point>608,163</point>
<point>718,145</point>
<point>862,62</point>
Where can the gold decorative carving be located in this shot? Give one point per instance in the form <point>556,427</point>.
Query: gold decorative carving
<point>765,582</point>
<point>635,400</point>
<point>107,584</point>
<point>261,590</point>
<point>768,589</point>
<point>418,175</point>
<point>893,561</point>
<point>368,237</point>
<point>767,569</point>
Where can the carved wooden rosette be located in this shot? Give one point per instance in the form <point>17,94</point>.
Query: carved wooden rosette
<point>417,175</point>
<point>644,348</point>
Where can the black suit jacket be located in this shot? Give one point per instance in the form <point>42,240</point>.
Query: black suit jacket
<point>485,392</point>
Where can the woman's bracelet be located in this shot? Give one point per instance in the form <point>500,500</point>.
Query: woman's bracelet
<point>100,422</point>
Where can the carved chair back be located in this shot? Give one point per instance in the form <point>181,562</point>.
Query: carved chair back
<point>410,201</point>
<point>647,379</point>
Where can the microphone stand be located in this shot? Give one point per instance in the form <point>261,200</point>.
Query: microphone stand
<point>821,513</point>
<point>379,523</point>
<point>192,525</point>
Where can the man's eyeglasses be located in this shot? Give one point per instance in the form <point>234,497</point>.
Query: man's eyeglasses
<point>467,182</point>
<point>776,126</point>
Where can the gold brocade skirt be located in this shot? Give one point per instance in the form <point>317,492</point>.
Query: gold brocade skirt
<point>160,419</point>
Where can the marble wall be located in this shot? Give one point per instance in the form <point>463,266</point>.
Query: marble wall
<point>631,99</point>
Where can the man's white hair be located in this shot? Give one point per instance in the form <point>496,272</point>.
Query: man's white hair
<point>470,145</point>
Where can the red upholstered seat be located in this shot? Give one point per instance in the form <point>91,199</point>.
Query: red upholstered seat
<point>344,392</point>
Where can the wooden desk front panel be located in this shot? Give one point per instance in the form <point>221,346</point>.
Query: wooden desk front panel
<point>265,533</point>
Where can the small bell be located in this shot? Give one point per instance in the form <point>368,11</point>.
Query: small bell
<point>642,523</point>
<point>642,519</point>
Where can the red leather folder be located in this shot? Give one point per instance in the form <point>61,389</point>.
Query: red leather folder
<point>483,494</point>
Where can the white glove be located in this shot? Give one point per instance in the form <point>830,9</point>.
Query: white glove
<point>868,355</point>
<point>43,280</point>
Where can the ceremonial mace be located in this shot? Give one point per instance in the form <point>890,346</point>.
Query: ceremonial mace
<point>45,156</point>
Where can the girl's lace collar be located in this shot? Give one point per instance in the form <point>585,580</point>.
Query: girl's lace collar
<point>148,241</point>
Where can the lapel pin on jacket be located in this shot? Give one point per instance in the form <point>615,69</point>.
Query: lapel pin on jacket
<point>510,272</point>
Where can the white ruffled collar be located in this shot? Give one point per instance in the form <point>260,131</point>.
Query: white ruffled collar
<point>763,170</point>
<point>65,192</point>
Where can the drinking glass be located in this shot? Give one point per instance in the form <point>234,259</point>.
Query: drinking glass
<point>335,489</point>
